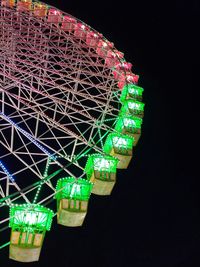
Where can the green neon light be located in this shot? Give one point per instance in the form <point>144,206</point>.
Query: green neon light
<point>72,188</point>
<point>100,163</point>
<point>5,245</point>
<point>135,105</point>
<point>31,218</point>
<point>118,141</point>
<point>128,123</point>
<point>131,91</point>
<point>132,107</point>
<point>45,175</point>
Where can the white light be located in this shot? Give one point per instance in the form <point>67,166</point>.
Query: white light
<point>132,91</point>
<point>128,122</point>
<point>7,172</point>
<point>101,163</point>
<point>105,44</point>
<point>31,218</point>
<point>132,105</point>
<point>75,188</point>
<point>118,141</point>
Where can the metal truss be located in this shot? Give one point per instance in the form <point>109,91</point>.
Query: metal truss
<point>58,101</point>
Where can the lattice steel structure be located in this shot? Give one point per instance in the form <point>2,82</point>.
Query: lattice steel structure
<point>59,98</point>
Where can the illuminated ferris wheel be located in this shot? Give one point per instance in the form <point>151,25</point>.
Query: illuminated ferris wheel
<point>70,115</point>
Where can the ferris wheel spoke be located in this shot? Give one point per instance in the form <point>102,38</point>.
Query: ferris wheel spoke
<point>72,121</point>
<point>70,114</point>
<point>26,76</point>
<point>42,115</point>
<point>60,148</point>
<point>55,100</point>
<point>55,124</point>
<point>66,58</point>
<point>10,181</point>
<point>72,70</point>
<point>62,64</point>
<point>30,167</point>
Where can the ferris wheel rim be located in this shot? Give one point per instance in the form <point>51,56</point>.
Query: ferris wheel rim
<point>100,118</point>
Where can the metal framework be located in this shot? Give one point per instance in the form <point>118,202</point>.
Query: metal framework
<point>58,102</point>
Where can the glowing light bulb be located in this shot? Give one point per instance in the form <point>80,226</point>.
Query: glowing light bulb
<point>76,189</point>
<point>101,163</point>
<point>119,141</point>
<point>31,218</point>
<point>105,45</point>
<point>132,105</point>
<point>128,122</point>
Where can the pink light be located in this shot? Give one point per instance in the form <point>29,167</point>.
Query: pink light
<point>119,54</point>
<point>114,54</point>
<point>111,54</point>
<point>116,74</point>
<point>103,48</point>
<point>92,34</point>
<point>68,23</point>
<point>8,3</point>
<point>82,27</point>
<point>121,85</point>
<point>132,78</point>
<point>92,39</point>
<point>127,66</point>
<point>24,5</point>
<point>129,78</point>
<point>125,77</point>
<point>81,30</point>
<point>53,11</point>
<point>124,66</point>
<point>54,15</point>
<point>104,44</point>
<point>69,19</point>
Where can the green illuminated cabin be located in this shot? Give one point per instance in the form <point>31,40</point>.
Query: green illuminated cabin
<point>72,200</point>
<point>101,170</point>
<point>131,91</point>
<point>130,125</point>
<point>119,146</point>
<point>29,224</point>
<point>132,107</point>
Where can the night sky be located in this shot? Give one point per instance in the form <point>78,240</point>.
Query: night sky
<point>152,217</point>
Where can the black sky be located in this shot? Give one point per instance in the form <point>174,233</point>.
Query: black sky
<point>152,217</point>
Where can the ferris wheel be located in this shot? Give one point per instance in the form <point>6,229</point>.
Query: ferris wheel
<point>70,115</point>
